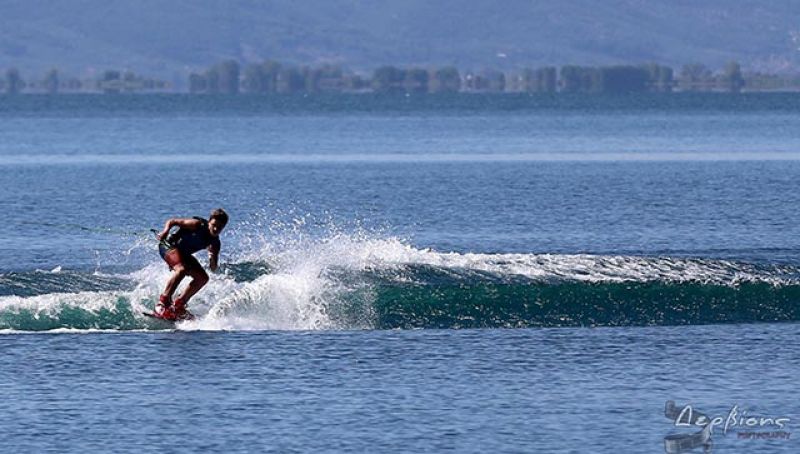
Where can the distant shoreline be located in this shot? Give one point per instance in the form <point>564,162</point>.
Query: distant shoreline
<point>464,104</point>
<point>271,77</point>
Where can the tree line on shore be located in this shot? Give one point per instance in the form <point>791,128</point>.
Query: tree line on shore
<point>110,81</point>
<point>229,77</point>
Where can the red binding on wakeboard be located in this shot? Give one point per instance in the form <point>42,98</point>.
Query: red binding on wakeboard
<point>169,311</point>
<point>169,317</point>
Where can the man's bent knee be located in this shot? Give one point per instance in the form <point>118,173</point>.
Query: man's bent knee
<point>200,277</point>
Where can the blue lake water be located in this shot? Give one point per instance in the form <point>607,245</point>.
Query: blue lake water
<point>473,273</point>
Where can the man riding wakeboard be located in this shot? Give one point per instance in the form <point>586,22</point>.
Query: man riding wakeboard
<point>176,249</point>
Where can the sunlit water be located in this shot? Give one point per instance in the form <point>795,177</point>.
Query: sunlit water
<point>633,251</point>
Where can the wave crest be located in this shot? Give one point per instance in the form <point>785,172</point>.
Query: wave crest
<point>359,282</point>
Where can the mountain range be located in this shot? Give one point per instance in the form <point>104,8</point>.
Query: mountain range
<point>171,38</point>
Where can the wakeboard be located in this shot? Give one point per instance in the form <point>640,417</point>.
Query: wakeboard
<point>156,315</point>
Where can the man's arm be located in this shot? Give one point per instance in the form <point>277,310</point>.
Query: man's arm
<point>213,257</point>
<point>190,224</point>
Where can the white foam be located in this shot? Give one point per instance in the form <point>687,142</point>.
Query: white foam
<point>50,305</point>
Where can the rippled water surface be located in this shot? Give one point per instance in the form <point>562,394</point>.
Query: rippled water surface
<point>474,273</point>
<point>551,390</point>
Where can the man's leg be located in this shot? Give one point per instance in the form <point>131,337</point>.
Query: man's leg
<point>199,279</point>
<point>178,273</point>
<point>175,262</point>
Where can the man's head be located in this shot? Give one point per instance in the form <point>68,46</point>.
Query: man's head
<point>217,221</point>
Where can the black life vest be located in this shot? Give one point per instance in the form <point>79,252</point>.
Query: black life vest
<point>190,241</point>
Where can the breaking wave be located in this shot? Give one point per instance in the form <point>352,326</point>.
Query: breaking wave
<point>356,281</point>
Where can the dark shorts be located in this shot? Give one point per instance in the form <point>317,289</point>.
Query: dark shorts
<point>173,257</point>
